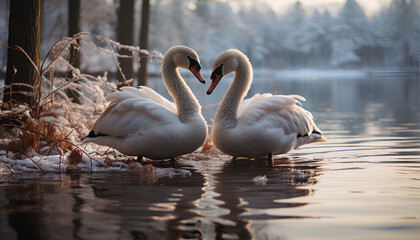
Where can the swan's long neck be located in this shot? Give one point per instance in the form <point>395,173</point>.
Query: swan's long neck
<point>228,109</point>
<point>184,99</point>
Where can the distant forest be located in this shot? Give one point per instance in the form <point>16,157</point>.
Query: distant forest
<point>296,39</point>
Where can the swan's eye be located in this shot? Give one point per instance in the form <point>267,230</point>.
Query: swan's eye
<point>218,71</point>
<point>193,63</point>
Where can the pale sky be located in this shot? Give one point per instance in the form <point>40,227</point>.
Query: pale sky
<point>371,7</point>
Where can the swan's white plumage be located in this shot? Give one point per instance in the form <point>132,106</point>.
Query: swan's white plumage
<point>275,111</point>
<point>129,113</point>
<point>265,123</point>
<point>140,122</point>
<point>144,92</point>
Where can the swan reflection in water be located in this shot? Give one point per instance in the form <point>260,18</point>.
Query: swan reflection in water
<point>249,201</point>
<point>133,207</point>
<point>104,206</point>
<point>161,210</point>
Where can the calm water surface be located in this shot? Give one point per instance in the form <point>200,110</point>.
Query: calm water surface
<point>364,183</point>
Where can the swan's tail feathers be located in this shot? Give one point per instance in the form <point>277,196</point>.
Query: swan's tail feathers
<point>92,136</point>
<point>317,136</point>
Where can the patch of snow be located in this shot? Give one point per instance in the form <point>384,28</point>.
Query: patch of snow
<point>144,51</point>
<point>298,173</point>
<point>57,164</point>
<point>18,109</point>
<point>260,180</point>
<point>53,120</point>
<point>171,172</point>
<point>76,72</point>
<point>57,111</point>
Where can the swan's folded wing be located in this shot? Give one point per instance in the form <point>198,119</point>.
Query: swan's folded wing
<point>243,107</point>
<point>142,92</point>
<point>276,111</point>
<point>131,116</point>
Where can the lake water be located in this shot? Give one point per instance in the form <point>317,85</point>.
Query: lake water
<point>364,183</point>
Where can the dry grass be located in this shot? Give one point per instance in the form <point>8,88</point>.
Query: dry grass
<point>68,122</point>
<point>108,161</point>
<point>24,143</point>
<point>75,157</point>
<point>36,134</point>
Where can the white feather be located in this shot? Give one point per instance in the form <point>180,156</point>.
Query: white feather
<point>265,123</point>
<point>140,122</point>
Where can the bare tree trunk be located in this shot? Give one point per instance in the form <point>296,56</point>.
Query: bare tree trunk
<point>125,36</point>
<point>74,57</point>
<point>24,31</point>
<point>142,74</point>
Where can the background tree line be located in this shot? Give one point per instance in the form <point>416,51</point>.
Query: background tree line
<point>23,74</point>
<point>295,39</point>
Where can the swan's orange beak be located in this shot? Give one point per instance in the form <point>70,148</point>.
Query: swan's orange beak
<point>196,71</point>
<point>215,79</point>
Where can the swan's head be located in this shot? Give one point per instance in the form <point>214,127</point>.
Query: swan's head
<point>226,63</point>
<point>186,58</point>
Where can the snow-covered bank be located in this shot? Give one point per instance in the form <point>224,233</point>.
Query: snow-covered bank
<point>103,161</point>
<point>98,161</point>
<point>55,164</point>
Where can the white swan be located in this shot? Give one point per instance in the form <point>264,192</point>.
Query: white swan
<point>140,122</point>
<point>263,125</point>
